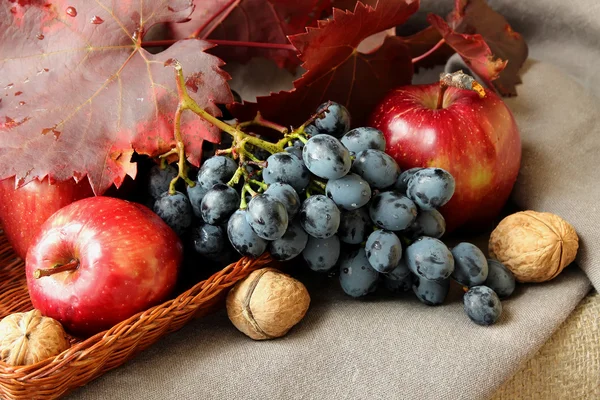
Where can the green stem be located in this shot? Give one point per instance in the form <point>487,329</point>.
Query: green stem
<point>260,121</point>
<point>319,184</point>
<point>294,135</point>
<point>243,203</point>
<point>235,179</point>
<point>187,103</point>
<point>249,189</point>
<point>180,147</point>
<point>260,184</point>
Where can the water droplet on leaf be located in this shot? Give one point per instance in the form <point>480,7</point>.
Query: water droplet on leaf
<point>18,93</point>
<point>9,86</point>
<point>96,20</point>
<point>22,103</point>
<point>40,36</point>
<point>71,11</point>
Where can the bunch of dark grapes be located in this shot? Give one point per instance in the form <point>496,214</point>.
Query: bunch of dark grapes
<point>334,188</point>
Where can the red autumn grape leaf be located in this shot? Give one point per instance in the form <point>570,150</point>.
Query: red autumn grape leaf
<point>472,48</point>
<point>336,71</point>
<point>476,16</point>
<point>264,21</point>
<point>80,95</point>
<point>423,41</point>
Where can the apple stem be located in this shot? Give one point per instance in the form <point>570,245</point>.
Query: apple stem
<point>440,99</point>
<point>70,266</point>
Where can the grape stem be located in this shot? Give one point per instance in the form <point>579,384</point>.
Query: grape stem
<point>315,187</point>
<point>235,179</point>
<point>249,189</point>
<point>239,136</point>
<point>243,203</point>
<point>260,184</point>
<point>260,121</point>
<point>319,184</point>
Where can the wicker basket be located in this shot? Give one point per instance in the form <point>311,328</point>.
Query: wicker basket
<point>88,359</point>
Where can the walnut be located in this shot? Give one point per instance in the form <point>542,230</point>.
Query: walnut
<point>535,246</point>
<point>267,304</point>
<point>27,338</point>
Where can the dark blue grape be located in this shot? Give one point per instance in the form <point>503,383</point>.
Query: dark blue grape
<point>482,305</point>
<point>267,216</point>
<point>379,169</point>
<point>392,211</point>
<point>398,280</point>
<point>354,226</point>
<point>295,151</point>
<point>349,192</point>
<point>326,157</point>
<point>357,277</point>
<point>500,279</point>
<point>226,256</point>
<point>311,130</point>
<point>287,195</point>
<point>402,182</point>
<point>470,265</point>
<point>219,203</point>
<point>432,293</point>
<point>242,237</point>
<point>335,120</point>
<point>319,216</point>
<point>359,139</point>
<point>384,250</point>
<point>195,195</point>
<point>175,210</point>
<point>217,169</point>
<point>429,258</point>
<point>159,179</point>
<point>291,244</point>
<point>431,188</point>
<point>285,168</point>
<point>209,239</point>
<point>428,223</point>
<point>321,254</point>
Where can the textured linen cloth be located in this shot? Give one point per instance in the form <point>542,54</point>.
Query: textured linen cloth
<point>395,347</point>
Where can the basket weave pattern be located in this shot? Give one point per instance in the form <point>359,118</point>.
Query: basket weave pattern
<point>90,358</point>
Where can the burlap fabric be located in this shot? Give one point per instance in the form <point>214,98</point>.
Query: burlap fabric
<point>567,366</point>
<point>397,348</point>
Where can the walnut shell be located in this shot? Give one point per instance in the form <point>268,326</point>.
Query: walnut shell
<point>27,338</point>
<point>535,246</point>
<point>267,304</point>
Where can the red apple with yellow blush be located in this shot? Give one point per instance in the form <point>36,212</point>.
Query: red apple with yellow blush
<point>473,136</point>
<point>24,210</point>
<point>99,261</point>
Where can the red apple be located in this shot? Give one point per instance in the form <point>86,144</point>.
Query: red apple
<point>99,261</point>
<point>474,138</point>
<point>24,210</point>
